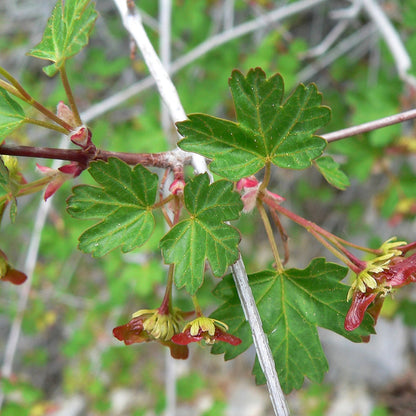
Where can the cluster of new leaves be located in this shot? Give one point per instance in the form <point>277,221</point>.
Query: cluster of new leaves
<point>270,130</point>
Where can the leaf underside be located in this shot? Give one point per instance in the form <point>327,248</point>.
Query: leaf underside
<point>292,304</point>
<point>66,33</point>
<point>11,114</point>
<point>204,235</point>
<point>122,202</point>
<point>268,129</point>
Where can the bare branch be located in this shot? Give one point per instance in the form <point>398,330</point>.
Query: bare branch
<point>260,340</point>
<point>370,126</point>
<point>357,38</point>
<point>245,28</point>
<point>134,25</point>
<point>392,39</point>
<point>169,94</point>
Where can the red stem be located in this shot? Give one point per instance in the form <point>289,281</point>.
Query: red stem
<point>309,225</point>
<point>407,247</point>
<point>160,160</point>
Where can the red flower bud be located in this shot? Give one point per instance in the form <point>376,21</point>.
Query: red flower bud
<point>177,186</point>
<point>65,113</point>
<point>81,137</point>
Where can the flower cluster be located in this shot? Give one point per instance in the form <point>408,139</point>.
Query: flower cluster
<point>59,176</point>
<point>80,136</point>
<point>388,271</point>
<point>365,279</point>
<point>205,329</point>
<point>152,325</point>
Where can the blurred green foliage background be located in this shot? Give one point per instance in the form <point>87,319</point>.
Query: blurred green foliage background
<point>66,349</point>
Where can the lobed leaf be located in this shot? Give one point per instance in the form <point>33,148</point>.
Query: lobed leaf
<point>66,33</point>
<point>269,130</point>
<point>11,114</point>
<point>204,235</point>
<point>4,175</point>
<point>332,173</point>
<point>291,305</point>
<point>123,203</point>
<point>9,186</point>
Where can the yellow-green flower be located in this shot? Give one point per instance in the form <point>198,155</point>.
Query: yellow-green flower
<point>205,329</point>
<point>365,279</point>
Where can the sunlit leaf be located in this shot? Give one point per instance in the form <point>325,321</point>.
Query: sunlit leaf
<point>66,33</point>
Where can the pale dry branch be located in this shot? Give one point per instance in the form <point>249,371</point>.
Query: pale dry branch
<point>392,39</point>
<point>168,92</point>
<point>370,126</point>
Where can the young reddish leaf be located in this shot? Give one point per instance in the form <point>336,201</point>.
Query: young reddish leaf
<point>203,236</point>
<point>122,202</point>
<point>268,130</point>
<point>11,114</point>
<point>291,304</point>
<point>66,34</point>
<point>332,172</point>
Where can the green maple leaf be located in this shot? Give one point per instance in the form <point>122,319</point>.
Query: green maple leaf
<point>291,305</point>
<point>11,114</point>
<point>123,203</point>
<point>4,175</point>
<point>9,186</point>
<point>66,33</point>
<point>268,130</point>
<point>204,235</point>
<point>332,172</point>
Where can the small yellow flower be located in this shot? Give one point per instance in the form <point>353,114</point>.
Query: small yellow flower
<point>205,329</point>
<point>160,326</point>
<point>205,324</point>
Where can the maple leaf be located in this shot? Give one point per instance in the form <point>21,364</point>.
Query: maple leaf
<point>331,171</point>
<point>122,202</point>
<point>267,129</point>
<point>11,114</point>
<point>10,181</point>
<point>291,304</point>
<point>203,235</point>
<point>66,33</point>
